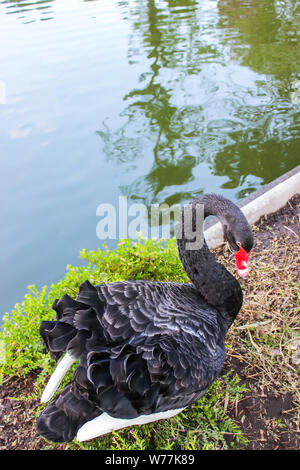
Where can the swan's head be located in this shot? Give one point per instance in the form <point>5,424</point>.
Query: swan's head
<point>240,238</point>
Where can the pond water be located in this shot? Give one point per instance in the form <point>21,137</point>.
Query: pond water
<point>154,100</point>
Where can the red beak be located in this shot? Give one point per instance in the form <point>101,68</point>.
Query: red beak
<point>242,261</point>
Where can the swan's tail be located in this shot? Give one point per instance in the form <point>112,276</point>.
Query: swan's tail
<point>76,322</point>
<point>75,329</point>
<point>57,334</point>
<point>61,419</point>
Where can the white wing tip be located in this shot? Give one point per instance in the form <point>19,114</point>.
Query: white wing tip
<point>47,395</point>
<point>104,423</point>
<point>61,369</point>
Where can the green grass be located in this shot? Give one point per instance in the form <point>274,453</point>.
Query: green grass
<point>204,425</point>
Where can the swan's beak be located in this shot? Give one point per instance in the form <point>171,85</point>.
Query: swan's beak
<point>243,272</point>
<point>242,262</point>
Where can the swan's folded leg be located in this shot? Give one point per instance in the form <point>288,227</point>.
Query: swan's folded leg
<point>61,369</point>
<point>104,423</point>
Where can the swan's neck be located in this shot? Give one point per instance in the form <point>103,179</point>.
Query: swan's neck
<point>213,281</point>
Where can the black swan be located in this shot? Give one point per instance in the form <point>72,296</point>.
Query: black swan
<point>146,350</point>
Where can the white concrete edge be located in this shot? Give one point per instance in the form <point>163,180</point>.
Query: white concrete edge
<point>267,203</point>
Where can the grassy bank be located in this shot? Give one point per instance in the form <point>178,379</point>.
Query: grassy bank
<point>255,402</point>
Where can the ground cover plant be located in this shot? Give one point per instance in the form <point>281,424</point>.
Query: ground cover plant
<point>254,403</point>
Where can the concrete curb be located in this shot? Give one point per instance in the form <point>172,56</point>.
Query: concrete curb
<point>266,200</point>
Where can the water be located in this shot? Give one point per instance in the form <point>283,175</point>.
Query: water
<point>155,100</point>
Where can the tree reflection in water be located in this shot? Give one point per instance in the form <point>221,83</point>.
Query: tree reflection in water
<point>215,97</point>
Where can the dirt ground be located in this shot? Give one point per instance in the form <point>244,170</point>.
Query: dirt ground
<point>268,414</point>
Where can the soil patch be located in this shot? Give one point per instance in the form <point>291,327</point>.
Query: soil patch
<point>269,413</point>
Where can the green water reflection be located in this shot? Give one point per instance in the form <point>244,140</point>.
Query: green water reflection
<point>217,92</point>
